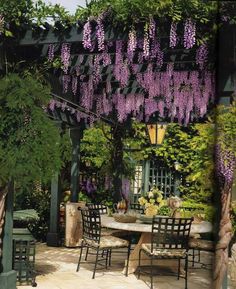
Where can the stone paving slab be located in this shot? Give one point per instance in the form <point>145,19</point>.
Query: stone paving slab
<point>56,269</point>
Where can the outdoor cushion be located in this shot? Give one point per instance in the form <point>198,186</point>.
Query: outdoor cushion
<point>108,242</point>
<point>164,252</point>
<point>201,244</point>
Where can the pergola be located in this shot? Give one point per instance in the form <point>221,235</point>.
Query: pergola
<point>33,45</point>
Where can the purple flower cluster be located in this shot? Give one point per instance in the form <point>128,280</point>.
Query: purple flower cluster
<point>146,44</point>
<point>201,55</point>
<point>173,35</point>
<point>51,50</point>
<point>65,56</point>
<point>100,34</point>
<point>74,84</point>
<point>189,33</point>
<point>152,28</point>
<point>65,82</point>
<point>225,165</point>
<point>132,45</point>
<point>87,42</point>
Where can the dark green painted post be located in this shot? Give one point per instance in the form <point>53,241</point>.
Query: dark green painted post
<point>75,135</point>
<point>8,276</point>
<point>53,236</point>
<point>146,176</point>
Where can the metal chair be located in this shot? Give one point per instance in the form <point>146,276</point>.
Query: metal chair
<point>93,239</point>
<point>137,207</point>
<point>102,208</point>
<point>169,240</point>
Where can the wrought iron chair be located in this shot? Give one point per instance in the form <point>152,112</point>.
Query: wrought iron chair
<point>169,240</point>
<point>102,208</point>
<point>137,207</point>
<point>93,239</point>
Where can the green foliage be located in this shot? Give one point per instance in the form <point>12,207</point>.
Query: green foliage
<point>135,11</point>
<point>39,199</point>
<point>95,147</point>
<point>17,13</point>
<point>29,140</point>
<point>226,127</point>
<point>192,147</point>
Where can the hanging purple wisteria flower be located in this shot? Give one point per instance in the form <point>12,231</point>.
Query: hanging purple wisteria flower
<point>51,50</point>
<point>132,44</point>
<point>65,56</point>
<point>74,84</point>
<point>152,28</point>
<point>225,165</point>
<point>173,34</point>
<point>201,55</point>
<point>189,33</point>
<point>146,43</point>
<point>100,33</point>
<point>87,42</point>
<point>65,82</point>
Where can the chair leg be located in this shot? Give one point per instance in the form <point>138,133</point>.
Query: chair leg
<point>151,272</point>
<point>95,265</point>
<point>199,256</point>
<point>193,258</point>
<point>186,273</point>
<point>109,263</point>
<point>86,255</point>
<point>107,257</point>
<point>139,263</point>
<point>178,268</point>
<point>127,265</point>
<point>81,251</point>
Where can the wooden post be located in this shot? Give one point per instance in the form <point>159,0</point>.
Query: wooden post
<point>75,135</point>
<point>146,176</point>
<point>53,236</point>
<point>8,276</point>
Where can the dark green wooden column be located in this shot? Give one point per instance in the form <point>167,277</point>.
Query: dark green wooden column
<point>8,276</point>
<point>146,176</point>
<point>53,236</point>
<point>75,134</point>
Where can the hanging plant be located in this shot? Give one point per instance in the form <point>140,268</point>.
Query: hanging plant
<point>146,43</point>
<point>51,50</point>
<point>189,33</point>
<point>100,33</point>
<point>173,35</point>
<point>132,44</point>
<point>65,57</point>
<point>87,42</point>
<point>202,55</point>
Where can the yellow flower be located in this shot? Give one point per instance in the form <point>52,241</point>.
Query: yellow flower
<point>151,210</point>
<point>159,199</point>
<point>142,201</point>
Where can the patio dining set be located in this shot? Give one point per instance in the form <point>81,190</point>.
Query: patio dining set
<point>162,240</point>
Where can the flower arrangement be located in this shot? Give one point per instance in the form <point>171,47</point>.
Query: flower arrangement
<point>152,201</point>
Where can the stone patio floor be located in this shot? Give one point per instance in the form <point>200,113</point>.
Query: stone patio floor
<point>56,269</point>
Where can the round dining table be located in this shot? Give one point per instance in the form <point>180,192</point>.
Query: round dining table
<point>145,230</point>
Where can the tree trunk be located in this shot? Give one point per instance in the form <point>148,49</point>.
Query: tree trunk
<point>3,194</point>
<point>225,235</point>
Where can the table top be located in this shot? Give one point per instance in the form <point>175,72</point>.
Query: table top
<point>109,222</point>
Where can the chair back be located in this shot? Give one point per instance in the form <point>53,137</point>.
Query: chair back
<point>100,207</point>
<point>91,225</point>
<point>137,207</point>
<point>170,233</point>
